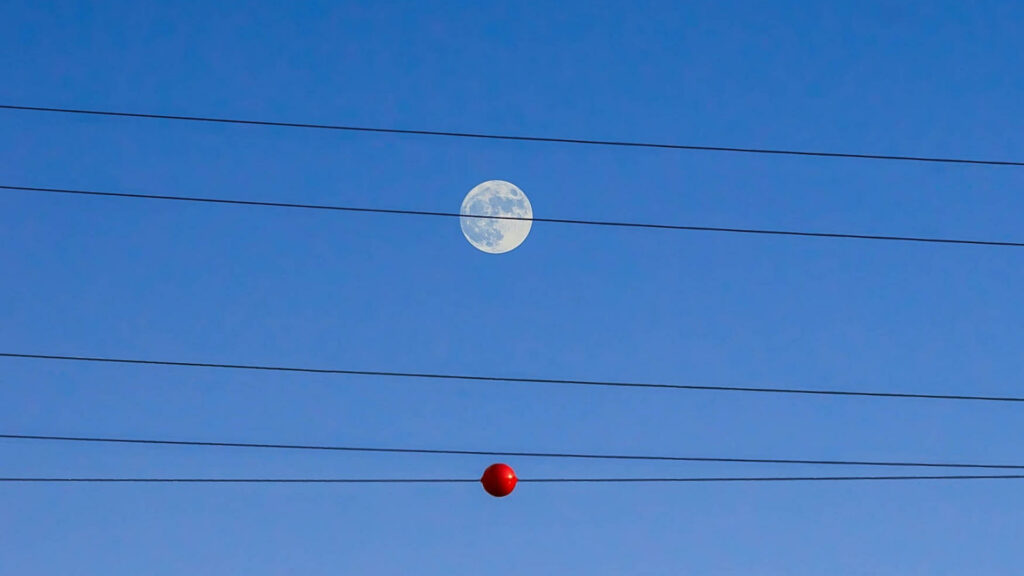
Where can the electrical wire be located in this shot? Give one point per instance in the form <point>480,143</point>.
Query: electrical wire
<point>607,223</point>
<point>570,455</point>
<point>509,137</point>
<point>521,480</point>
<point>440,376</point>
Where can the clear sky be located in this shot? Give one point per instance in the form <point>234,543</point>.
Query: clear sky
<point>248,285</point>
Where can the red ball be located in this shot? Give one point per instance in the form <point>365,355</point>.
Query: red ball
<point>499,480</point>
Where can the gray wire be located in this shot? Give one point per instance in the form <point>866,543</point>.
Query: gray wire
<point>606,223</point>
<point>507,137</point>
<point>521,480</point>
<point>576,455</point>
<point>441,376</point>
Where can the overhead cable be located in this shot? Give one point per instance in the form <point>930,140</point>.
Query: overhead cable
<point>477,378</point>
<point>605,223</point>
<point>512,137</point>
<point>119,480</point>
<point>506,453</point>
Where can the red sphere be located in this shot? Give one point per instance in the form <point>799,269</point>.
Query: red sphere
<point>499,480</point>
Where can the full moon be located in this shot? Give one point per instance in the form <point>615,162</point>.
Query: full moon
<point>496,198</point>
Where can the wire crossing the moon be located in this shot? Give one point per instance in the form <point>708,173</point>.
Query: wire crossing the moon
<point>512,224</point>
<point>476,378</point>
<point>605,223</point>
<point>515,138</point>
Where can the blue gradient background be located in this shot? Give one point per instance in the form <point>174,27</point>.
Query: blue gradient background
<point>192,282</point>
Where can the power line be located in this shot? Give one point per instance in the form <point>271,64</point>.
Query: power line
<point>252,480</point>
<point>571,455</point>
<point>508,137</point>
<point>521,480</point>
<point>679,227</point>
<point>441,376</point>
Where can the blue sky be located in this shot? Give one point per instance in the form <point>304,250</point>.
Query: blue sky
<point>144,279</point>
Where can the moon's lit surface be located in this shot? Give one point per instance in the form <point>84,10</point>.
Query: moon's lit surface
<point>496,198</point>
